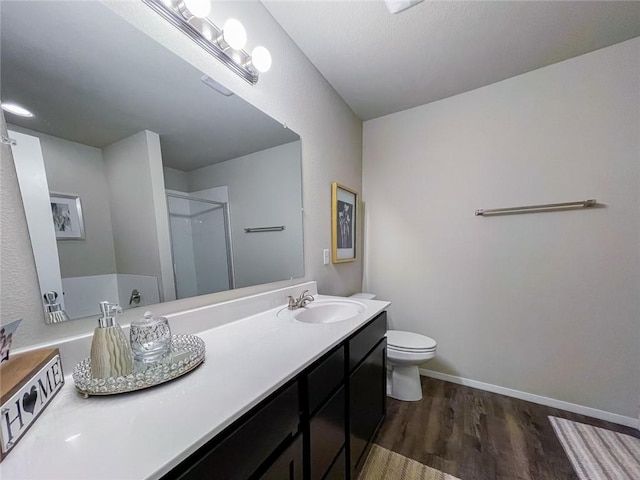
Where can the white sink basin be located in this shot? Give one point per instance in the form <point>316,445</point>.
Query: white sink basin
<point>325,311</point>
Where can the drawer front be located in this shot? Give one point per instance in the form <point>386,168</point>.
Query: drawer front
<point>327,435</point>
<point>367,338</point>
<point>325,378</point>
<point>287,466</point>
<point>238,456</point>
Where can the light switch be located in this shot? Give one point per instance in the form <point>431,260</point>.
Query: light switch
<point>325,256</point>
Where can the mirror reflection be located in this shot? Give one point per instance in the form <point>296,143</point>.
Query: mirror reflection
<point>143,180</point>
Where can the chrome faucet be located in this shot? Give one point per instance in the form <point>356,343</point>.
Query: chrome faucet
<point>302,301</point>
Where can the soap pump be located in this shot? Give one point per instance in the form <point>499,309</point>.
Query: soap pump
<point>110,349</point>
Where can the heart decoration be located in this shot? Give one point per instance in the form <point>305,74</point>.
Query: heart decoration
<point>29,400</point>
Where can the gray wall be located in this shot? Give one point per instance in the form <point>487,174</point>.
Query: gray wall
<point>543,303</point>
<point>128,164</point>
<point>77,169</point>
<point>293,92</point>
<point>261,195</point>
<point>175,179</point>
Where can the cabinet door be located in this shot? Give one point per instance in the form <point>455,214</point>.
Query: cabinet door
<point>367,407</point>
<point>338,469</point>
<point>326,435</point>
<point>287,466</point>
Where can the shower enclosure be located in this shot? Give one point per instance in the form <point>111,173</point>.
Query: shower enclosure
<point>200,244</point>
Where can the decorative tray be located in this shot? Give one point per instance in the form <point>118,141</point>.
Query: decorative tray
<point>187,352</point>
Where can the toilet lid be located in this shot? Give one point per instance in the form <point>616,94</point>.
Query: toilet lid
<point>409,341</point>
<point>391,348</point>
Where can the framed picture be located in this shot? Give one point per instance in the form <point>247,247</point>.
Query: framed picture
<point>344,211</point>
<point>66,213</point>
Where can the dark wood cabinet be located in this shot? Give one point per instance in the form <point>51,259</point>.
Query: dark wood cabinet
<point>324,377</point>
<point>327,435</point>
<point>288,465</point>
<point>367,406</point>
<point>317,427</point>
<point>363,341</point>
<point>338,470</point>
<point>241,449</point>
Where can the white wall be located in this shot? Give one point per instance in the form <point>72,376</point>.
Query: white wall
<point>293,92</point>
<point>129,165</point>
<point>543,303</point>
<point>261,195</point>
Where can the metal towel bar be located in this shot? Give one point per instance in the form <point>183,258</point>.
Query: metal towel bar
<point>264,229</point>
<point>541,208</point>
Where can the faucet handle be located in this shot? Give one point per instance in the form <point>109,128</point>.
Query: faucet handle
<point>293,303</point>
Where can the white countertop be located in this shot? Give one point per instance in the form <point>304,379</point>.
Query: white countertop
<point>144,434</point>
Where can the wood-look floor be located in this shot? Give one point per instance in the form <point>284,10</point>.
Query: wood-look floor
<point>478,435</point>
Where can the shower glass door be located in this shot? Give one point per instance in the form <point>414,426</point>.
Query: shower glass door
<point>200,230</point>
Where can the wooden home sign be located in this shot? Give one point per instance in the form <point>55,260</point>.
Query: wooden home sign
<point>29,382</point>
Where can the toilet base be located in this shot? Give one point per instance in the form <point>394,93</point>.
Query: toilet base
<point>403,383</point>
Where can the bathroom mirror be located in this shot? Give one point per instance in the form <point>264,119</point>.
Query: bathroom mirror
<point>180,187</point>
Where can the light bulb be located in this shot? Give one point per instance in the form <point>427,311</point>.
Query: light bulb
<point>234,34</point>
<point>261,59</point>
<point>16,110</point>
<point>207,31</point>
<point>195,8</point>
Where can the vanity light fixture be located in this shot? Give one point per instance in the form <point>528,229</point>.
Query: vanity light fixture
<point>226,44</point>
<point>16,110</point>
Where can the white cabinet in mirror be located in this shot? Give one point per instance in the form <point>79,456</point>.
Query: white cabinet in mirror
<point>168,171</point>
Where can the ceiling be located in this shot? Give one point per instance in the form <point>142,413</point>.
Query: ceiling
<point>381,63</point>
<point>92,78</point>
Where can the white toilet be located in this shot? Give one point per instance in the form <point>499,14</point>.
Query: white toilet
<point>405,352</point>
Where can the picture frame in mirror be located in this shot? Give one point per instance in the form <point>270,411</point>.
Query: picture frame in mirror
<point>66,213</point>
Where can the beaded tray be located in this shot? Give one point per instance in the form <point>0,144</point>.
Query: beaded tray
<point>187,352</point>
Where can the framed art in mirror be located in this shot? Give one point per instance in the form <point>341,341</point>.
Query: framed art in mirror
<point>66,212</point>
<point>344,209</point>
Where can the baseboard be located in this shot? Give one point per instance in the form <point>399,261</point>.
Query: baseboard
<point>530,397</point>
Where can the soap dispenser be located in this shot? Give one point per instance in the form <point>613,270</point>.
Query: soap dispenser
<point>110,349</point>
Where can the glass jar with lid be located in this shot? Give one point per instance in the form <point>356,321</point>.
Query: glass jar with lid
<point>150,338</point>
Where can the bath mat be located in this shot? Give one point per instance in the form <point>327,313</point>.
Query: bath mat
<point>597,453</point>
<point>382,464</point>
